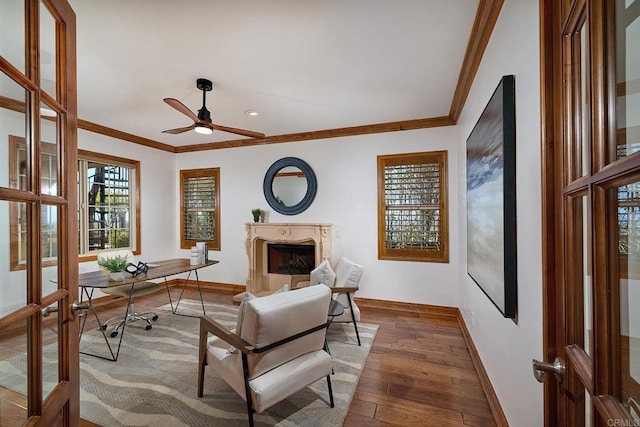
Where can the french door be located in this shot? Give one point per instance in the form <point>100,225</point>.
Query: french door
<point>590,60</point>
<point>39,355</point>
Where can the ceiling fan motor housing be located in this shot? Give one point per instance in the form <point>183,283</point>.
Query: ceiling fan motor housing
<point>204,114</point>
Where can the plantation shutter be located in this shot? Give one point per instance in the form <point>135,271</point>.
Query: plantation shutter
<point>200,206</point>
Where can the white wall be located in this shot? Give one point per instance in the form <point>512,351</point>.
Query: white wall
<point>347,198</point>
<point>506,348</point>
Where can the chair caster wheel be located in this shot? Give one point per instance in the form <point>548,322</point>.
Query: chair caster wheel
<point>148,327</point>
<point>114,334</point>
<point>154,318</point>
<point>104,327</point>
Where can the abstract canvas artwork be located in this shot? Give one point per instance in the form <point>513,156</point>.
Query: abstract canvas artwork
<point>491,200</point>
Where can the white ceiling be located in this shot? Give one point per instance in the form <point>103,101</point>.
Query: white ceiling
<point>303,65</point>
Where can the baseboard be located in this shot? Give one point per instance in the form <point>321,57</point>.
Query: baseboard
<point>492,398</point>
<point>406,307</point>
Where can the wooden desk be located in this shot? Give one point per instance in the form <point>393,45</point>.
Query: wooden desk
<point>100,279</point>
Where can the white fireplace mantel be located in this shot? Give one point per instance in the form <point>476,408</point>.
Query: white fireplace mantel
<point>260,234</point>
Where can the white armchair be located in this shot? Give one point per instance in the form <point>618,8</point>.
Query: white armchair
<point>277,351</point>
<point>343,283</point>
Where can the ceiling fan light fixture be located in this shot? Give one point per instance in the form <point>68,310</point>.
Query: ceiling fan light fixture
<point>202,129</point>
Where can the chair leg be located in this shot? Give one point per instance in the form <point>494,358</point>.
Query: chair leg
<point>353,317</point>
<point>330,390</point>
<point>132,316</point>
<point>247,388</point>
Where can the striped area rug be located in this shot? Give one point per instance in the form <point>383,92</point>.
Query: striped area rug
<point>153,383</point>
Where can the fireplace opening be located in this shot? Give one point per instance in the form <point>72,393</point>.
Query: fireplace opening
<point>291,259</point>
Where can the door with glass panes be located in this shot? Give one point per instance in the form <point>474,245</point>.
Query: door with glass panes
<point>591,211</point>
<point>39,357</point>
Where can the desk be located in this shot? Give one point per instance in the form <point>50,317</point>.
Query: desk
<point>93,280</point>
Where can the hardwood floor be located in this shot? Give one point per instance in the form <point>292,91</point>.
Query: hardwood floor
<point>419,371</point>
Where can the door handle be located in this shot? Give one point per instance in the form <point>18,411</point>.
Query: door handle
<point>557,368</point>
<point>75,307</point>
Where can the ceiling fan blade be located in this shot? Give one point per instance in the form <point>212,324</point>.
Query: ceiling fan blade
<point>249,133</point>
<point>182,108</point>
<point>179,130</point>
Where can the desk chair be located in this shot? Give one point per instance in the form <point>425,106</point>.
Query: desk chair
<point>128,291</point>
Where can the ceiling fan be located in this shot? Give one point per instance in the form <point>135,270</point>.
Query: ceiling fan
<point>202,122</point>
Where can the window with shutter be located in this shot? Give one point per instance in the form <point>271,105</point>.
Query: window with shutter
<point>200,207</point>
<point>412,208</point>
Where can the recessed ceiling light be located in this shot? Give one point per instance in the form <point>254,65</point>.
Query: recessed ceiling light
<point>251,113</point>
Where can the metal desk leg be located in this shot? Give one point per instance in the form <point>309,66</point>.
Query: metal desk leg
<point>114,357</point>
<point>184,286</point>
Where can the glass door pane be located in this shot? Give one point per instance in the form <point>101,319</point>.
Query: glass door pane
<point>628,210</point>
<point>12,31</point>
<point>627,77</point>
<point>48,53</point>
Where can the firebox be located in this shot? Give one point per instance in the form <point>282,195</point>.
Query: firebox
<point>283,258</point>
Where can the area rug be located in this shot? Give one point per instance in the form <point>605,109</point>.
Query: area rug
<point>153,383</point>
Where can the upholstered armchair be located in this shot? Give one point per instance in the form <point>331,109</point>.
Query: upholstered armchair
<point>343,283</point>
<point>275,351</point>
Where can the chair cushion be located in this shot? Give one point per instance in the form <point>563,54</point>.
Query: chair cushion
<point>324,274</point>
<point>281,382</point>
<point>248,296</point>
<point>348,273</point>
<point>274,385</point>
<point>278,316</point>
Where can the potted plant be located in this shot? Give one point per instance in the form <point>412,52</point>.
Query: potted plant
<point>116,265</point>
<point>256,214</point>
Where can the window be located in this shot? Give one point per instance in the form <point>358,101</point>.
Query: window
<point>108,203</point>
<point>109,206</point>
<point>412,207</point>
<point>200,207</point>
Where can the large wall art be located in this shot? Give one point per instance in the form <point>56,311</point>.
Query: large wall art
<point>491,200</point>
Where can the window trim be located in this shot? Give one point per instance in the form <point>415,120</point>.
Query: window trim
<point>420,255</point>
<point>214,245</point>
<point>14,251</point>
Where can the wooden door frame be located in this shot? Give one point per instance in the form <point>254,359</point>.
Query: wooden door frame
<point>551,185</point>
<point>602,380</point>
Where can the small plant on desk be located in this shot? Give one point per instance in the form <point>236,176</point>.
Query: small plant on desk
<point>116,265</point>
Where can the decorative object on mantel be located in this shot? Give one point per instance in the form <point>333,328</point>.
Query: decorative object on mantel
<point>491,200</point>
<point>256,214</point>
<point>116,265</point>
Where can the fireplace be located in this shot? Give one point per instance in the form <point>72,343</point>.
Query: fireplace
<point>286,258</point>
<point>267,242</point>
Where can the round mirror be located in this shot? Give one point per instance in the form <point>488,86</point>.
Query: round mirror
<point>290,186</point>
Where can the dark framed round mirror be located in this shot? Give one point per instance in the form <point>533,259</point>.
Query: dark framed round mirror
<point>290,186</point>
